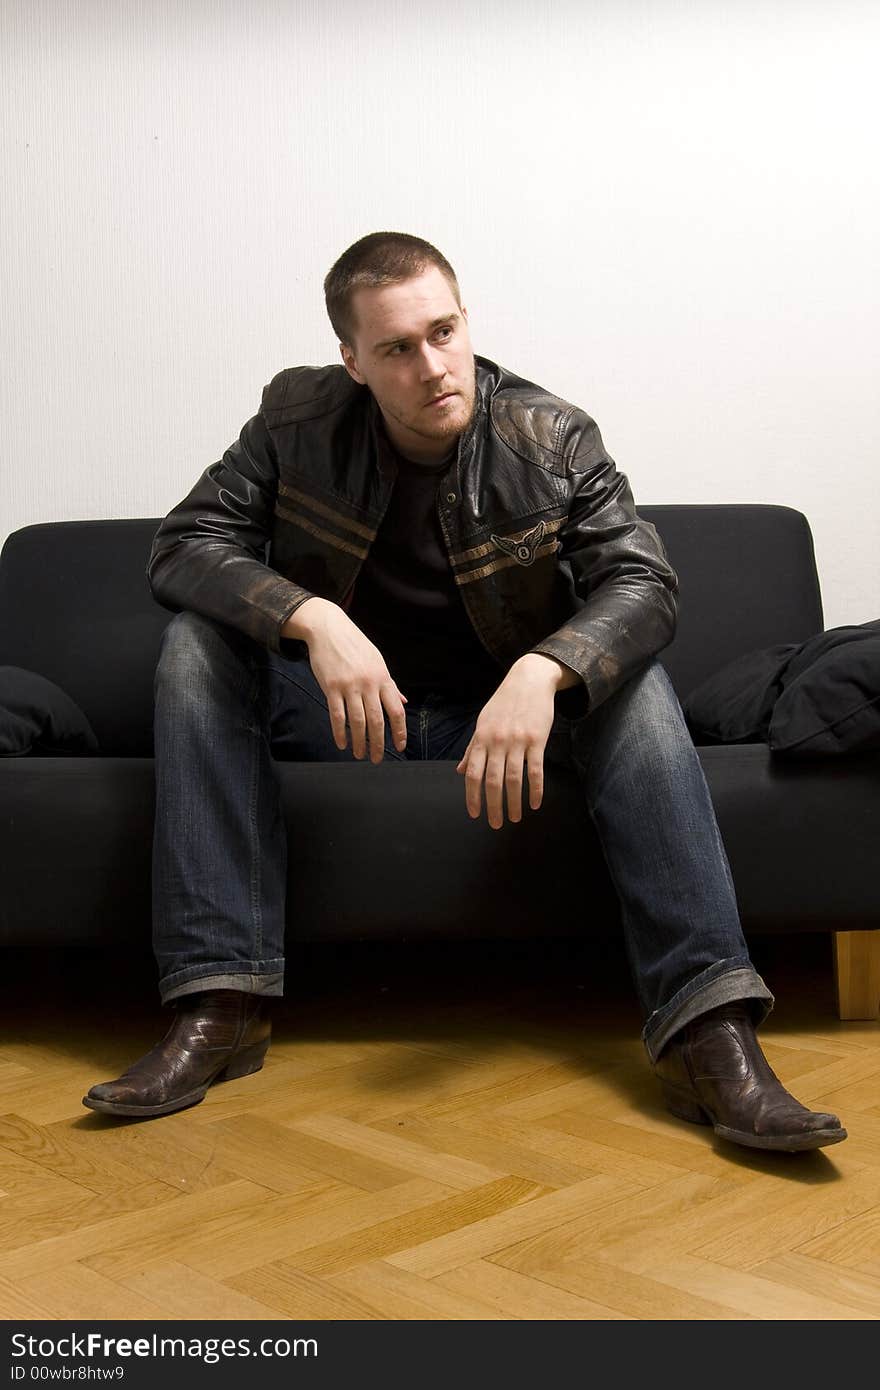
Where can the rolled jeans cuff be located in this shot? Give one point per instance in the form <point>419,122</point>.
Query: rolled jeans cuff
<point>725,982</point>
<point>251,977</point>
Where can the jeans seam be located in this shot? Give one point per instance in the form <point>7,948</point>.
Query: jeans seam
<point>255,876</point>
<point>220,976</point>
<point>423,732</point>
<point>198,969</point>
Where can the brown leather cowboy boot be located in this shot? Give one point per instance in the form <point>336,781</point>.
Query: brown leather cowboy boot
<point>714,1072</point>
<point>216,1035</point>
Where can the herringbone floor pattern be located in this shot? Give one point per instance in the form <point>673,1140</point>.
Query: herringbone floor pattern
<point>456,1132</point>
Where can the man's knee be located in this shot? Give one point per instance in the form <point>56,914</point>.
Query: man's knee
<point>652,683</point>
<point>642,720</point>
<point>648,699</point>
<point>196,650</point>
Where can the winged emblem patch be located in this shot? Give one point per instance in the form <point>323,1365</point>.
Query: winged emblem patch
<point>524,549</point>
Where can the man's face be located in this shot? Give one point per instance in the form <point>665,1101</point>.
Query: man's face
<point>412,348</point>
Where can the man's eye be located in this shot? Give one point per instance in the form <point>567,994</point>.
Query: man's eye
<point>445,332</point>
<point>397,349</point>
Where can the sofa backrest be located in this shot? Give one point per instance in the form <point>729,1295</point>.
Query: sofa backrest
<point>75,605</point>
<point>747,575</point>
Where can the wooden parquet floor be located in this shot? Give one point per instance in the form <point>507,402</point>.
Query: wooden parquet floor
<point>440,1132</point>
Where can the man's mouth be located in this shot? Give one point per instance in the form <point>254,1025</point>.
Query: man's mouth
<point>439,400</point>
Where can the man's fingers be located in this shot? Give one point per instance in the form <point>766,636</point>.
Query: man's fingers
<point>375,716</point>
<point>357,723</point>
<point>501,772</point>
<point>513,783</point>
<point>473,781</point>
<point>336,708</point>
<point>535,765</point>
<point>393,702</point>
<point>495,788</point>
<point>462,766</point>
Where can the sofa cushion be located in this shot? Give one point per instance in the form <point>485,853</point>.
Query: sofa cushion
<point>819,696</point>
<point>37,716</point>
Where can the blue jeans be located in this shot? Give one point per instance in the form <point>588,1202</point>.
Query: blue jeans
<point>225,706</point>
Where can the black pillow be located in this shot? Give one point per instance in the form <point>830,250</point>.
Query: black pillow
<point>822,696</point>
<point>735,704</point>
<point>36,716</point>
<point>830,700</point>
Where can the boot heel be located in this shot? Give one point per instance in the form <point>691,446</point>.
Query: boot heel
<point>683,1107</point>
<point>249,1060</point>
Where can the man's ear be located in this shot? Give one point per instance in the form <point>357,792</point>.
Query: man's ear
<point>350,363</point>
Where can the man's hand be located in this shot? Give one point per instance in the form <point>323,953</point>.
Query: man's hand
<point>512,730</point>
<point>352,673</point>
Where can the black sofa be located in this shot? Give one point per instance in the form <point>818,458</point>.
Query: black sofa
<point>388,851</point>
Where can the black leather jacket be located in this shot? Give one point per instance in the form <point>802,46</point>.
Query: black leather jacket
<point>543,538</point>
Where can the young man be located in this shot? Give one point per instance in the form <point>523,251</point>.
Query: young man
<point>413,555</point>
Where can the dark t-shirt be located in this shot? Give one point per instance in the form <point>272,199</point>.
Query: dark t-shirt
<point>407,602</point>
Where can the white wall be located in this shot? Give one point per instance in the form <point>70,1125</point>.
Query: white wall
<point>667,212</point>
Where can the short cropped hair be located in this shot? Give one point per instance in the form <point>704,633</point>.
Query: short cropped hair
<point>381,258</point>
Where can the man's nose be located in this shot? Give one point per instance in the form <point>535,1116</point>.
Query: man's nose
<point>433,364</point>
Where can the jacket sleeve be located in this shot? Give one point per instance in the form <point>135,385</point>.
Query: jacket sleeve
<point>622,578</point>
<point>209,554</point>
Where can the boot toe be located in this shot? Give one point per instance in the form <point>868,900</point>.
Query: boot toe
<point>105,1090</point>
<point>133,1103</point>
<point>821,1123</point>
<point>116,1099</point>
<point>789,1133</point>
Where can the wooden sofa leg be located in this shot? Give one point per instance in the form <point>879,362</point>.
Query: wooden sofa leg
<point>857,973</point>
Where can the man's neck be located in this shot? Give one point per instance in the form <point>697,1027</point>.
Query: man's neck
<point>437,466</point>
<point>430,453</point>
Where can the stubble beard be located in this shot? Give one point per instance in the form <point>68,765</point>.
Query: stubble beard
<point>450,424</point>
